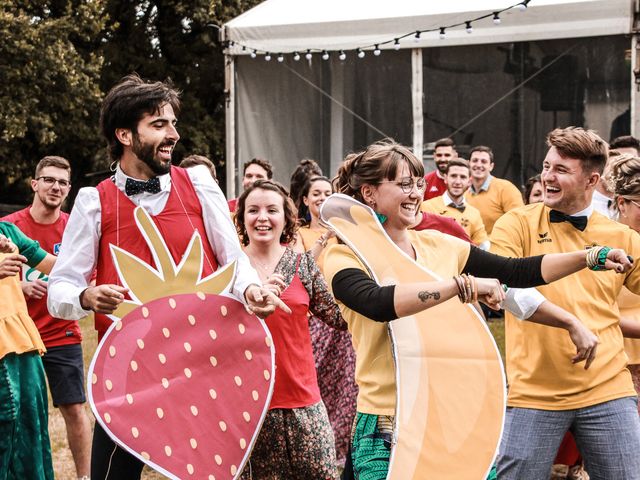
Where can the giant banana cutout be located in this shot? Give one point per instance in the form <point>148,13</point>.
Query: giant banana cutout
<point>450,383</point>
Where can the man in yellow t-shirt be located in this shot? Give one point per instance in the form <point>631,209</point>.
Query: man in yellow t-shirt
<point>491,195</point>
<point>549,395</point>
<point>452,203</point>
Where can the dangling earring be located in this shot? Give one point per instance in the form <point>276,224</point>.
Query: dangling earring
<point>381,218</point>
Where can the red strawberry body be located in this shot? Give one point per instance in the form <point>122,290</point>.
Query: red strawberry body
<point>184,382</point>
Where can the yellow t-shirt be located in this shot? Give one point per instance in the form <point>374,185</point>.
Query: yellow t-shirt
<point>375,375</point>
<point>501,197</point>
<point>309,237</point>
<point>539,366</point>
<point>470,220</point>
<point>18,333</point>
<point>629,305</point>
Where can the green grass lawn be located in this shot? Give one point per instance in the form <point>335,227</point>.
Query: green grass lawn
<point>497,329</point>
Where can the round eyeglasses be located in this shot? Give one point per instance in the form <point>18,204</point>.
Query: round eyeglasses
<point>407,184</point>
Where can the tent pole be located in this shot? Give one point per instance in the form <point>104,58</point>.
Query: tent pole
<point>230,127</point>
<point>416,102</point>
<point>635,72</point>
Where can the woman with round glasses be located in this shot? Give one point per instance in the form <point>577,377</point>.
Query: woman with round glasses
<point>624,180</point>
<point>389,178</point>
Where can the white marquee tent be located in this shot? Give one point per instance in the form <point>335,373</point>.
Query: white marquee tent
<point>494,85</point>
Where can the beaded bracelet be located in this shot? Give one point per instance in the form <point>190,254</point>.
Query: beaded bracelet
<point>467,288</point>
<point>475,289</point>
<point>460,284</point>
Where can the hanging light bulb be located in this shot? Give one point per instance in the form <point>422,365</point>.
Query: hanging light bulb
<point>280,58</point>
<point>253,54</point>
<point>325,55</point>
<point>416,37</point>
<point>244,49</point>
<point>443,35</point>
<point>360,53</point>
<point>396,44</point>
<point>342,55</point>
<point>376,51</point>
<point>308,55</point>
<point>496,18</point>
<point>523,6</point>
<point>469,27</point>
<point>267,57</point>
<point>296,56</point>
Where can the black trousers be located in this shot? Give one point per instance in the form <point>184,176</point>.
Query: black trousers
<point>111,462</point>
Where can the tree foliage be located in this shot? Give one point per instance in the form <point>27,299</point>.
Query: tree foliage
<point>49,91</point>
<point>59,57</point>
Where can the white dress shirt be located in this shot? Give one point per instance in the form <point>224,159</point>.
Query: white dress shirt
<point>523,302</point>
<point>601,204</point>
<point>80,243</point>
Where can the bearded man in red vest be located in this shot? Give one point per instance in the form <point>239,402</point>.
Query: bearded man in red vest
<point>138,120</point>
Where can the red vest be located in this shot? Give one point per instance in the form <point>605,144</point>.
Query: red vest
<point>54,332</point>
<point>176,224</point>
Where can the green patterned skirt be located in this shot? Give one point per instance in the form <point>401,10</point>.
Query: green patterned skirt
<point>25,451</point>
<point>371,448</point>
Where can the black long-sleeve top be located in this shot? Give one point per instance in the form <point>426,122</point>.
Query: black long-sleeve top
<point>362,294</point>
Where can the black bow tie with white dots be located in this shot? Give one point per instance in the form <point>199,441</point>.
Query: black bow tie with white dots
<point>133,187</point>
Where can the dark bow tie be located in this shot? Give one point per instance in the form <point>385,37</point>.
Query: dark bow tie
<point>579,222</point>
<point>460,208</point>
<point>133,187</point>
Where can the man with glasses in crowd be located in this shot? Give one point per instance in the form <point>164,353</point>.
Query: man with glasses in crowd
<point>45,222</point>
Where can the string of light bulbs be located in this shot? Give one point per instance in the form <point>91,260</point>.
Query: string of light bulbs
<point>361,51</point>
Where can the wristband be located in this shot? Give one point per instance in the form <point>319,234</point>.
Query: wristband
<point>602,258</point>
<point>597,258</point>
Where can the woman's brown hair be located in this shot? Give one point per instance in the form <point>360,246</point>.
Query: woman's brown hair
<point>378,162</point>
<point>623,177</point>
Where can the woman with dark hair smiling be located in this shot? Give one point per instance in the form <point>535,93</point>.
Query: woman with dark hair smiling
<point>296,440</point>
<point>332,349</point>
<point>624,180</point>
<point>533,191</point>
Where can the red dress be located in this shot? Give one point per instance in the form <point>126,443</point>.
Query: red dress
<point>296,383</point>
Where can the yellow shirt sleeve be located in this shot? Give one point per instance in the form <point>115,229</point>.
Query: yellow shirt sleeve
<point>507,236</point>
<point>511,197</point>
<point>433,205</point>
<point>632,280</point>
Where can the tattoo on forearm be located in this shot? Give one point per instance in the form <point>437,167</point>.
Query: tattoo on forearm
<point>424,296</point>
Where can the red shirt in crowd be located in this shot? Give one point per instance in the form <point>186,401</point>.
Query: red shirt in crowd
<point>435,185</point>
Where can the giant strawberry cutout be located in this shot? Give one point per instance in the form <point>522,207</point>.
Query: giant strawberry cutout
<point>184,377</point>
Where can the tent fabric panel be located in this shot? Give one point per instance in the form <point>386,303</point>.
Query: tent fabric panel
<point>542,20</point>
